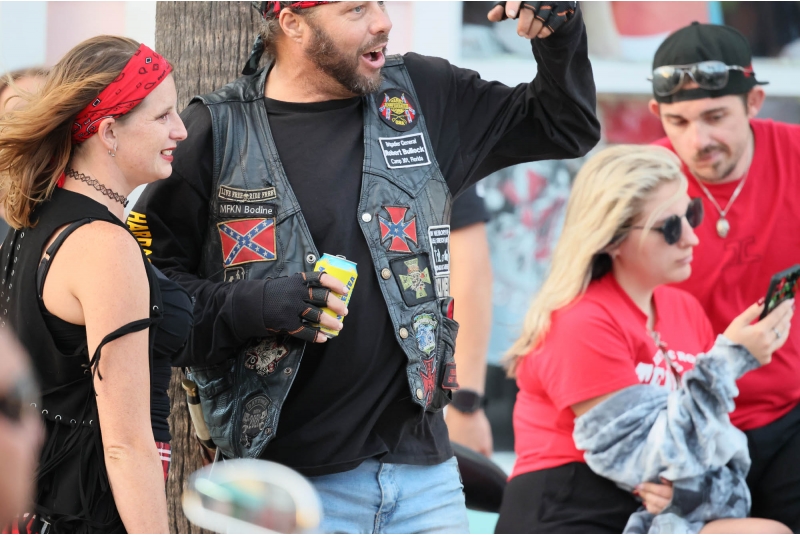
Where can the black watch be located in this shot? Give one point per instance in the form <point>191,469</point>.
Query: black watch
<point>467,401</point>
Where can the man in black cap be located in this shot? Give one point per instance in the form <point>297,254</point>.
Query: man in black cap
<point>336,148</point>
<point>746,171</point>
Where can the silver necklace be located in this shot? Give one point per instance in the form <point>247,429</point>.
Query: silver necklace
<point>723,225</point>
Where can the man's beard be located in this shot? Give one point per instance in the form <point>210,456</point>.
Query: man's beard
<point>342,67</point>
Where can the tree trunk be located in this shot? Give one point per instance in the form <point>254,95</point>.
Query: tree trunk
<point>207,44</point>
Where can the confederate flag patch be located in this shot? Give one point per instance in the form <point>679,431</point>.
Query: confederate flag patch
<point>247,240</point>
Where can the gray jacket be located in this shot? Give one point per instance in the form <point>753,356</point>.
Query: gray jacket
<point>645,432</point>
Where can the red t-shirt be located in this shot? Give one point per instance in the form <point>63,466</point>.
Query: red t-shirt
<point>596,346</point>
<point>730,274</point>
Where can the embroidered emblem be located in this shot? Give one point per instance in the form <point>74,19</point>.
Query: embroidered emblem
<point>425,331</point>
<point>427,373</point>
<point>413,276</point>
<point>227,193</point>
<point>234,274</point>
<point>397,109</point>
<point>439,236</point>
<point>227,209</point>
<point>404,151</point>
<point>398,229</point>
<point>265,356</point>
<point>254,419</point>
<point>247,240</point>
<point>450,382</point>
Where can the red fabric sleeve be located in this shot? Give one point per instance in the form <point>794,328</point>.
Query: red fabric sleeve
<point>585,355</point>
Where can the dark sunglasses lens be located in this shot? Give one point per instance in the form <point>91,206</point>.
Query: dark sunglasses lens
<point>694,214</point>
<point>666,80</point>
<point>710,74</point>
<point>672,229</point>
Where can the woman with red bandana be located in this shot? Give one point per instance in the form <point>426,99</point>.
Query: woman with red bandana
<point>101,324</point>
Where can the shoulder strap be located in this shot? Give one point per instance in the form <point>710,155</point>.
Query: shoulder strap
<point>44,265</point>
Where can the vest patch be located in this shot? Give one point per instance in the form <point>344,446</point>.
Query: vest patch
<point>404,151</point>
<point>443,287</point>
<point>227,193</point>
<point>413,276</point>
<point>244,209</point>
<point>397,109</point>
<point>425,332</point>
<point>254,419</point>
<point>264,357</point>
<point>450,380</point>
<point>234,274</point>
<point>439,236</point>
<point>247,240</point>
<point>397,230</point>
<point>427,372</point>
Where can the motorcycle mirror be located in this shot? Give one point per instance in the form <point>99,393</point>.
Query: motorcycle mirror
<point>251,496</point>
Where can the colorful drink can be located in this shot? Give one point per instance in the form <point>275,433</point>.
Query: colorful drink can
<point>343,270</point>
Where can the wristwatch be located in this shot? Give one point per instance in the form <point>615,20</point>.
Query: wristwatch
<point>467,401</point>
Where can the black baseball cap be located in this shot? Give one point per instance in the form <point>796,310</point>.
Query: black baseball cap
<point>705,42</point>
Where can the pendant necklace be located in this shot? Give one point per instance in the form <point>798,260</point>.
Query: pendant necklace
<point>723,225</point>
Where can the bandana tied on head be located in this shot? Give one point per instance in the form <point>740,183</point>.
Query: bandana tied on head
<point>272,9</point>
<point>143,72</point>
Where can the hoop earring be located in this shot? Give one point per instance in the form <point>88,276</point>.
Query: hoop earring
<point>113,153</point>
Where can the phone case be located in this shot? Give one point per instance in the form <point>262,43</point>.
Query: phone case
<point>782,286</point>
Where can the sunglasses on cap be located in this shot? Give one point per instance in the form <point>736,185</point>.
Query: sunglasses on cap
<point>20,399</point>
<point>673,226</point>
<point>669,79</point>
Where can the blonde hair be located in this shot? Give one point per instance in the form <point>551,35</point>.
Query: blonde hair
<point>607,197</point>
<point>36,139</point>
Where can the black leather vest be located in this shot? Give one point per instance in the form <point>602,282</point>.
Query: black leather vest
<point>256,230</point>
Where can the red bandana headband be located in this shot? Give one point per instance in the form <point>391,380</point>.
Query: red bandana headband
<point>143,72</point>
<point>273,9</point>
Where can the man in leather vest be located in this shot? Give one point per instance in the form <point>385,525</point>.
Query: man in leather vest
<point>336,148</point>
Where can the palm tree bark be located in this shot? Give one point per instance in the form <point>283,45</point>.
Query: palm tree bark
<point>207,44</point>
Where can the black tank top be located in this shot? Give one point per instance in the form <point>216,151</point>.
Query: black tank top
<point>173,331</point>
<point>73,493</point>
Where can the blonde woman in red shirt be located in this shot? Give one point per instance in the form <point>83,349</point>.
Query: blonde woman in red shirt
<point>605,321</point>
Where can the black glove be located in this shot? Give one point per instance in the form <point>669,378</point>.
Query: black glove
<point>552,14</point>
<point>288,301</point>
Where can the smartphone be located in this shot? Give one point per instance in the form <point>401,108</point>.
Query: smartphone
<point>782,286</point>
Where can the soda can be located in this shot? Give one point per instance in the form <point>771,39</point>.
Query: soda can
<point>346,272</point>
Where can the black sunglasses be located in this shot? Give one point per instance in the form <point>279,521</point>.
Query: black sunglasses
<point>668,79</point>
<point>21,398</point>
<point>673,226</point>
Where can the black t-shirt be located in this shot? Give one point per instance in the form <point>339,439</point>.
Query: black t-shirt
<point>350,400</point>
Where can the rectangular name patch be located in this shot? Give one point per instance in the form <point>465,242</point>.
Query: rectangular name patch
<point>404,151</point>
<point>227,193</point>
<point>439,237</point>
<point>243,209</point>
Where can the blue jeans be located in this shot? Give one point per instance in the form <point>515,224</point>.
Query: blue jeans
<point>393,498</point>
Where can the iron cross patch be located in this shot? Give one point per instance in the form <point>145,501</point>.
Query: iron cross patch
<point>397,230</point>
<point>413,276</point>
<point>427,372</point>
<point>247,240</point>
